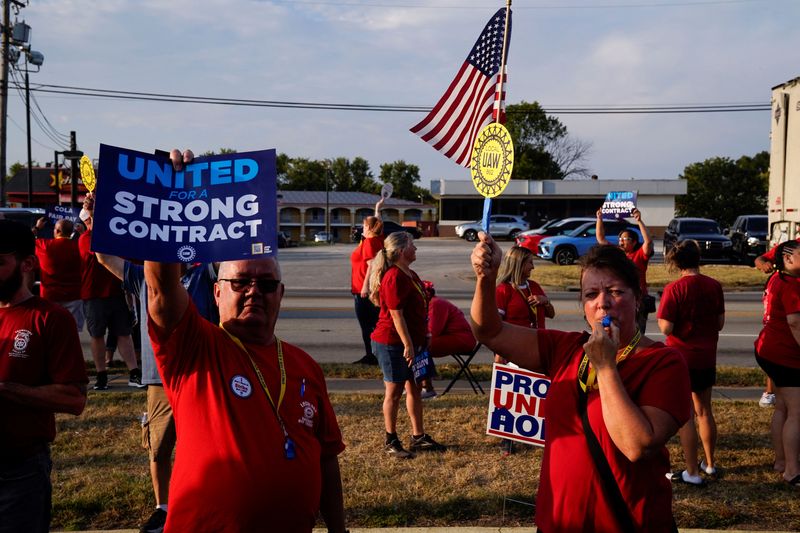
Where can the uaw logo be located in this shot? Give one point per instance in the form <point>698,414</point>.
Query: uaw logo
<point>309,413</point>
<point>21,339</point>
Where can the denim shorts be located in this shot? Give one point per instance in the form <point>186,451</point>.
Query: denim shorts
<point>394,366</point>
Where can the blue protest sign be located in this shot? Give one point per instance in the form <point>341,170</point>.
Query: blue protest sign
<point>218,208</point>
<point>619,204</point>
<point>54,213</point>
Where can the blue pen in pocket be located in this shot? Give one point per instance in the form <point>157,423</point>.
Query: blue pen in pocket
<point>303,388</point>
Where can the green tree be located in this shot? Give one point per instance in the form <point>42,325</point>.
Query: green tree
<point>721,188</point>
<point>222,151</point>
<point>304,175</point>
<point>403,178</point>
<point>353,175</point>
<point>543,148</point>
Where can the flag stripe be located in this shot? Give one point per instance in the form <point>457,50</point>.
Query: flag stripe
<point>473,99</point>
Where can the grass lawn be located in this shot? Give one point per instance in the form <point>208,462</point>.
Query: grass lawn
<point>732,277</point>
<point>101,478</point>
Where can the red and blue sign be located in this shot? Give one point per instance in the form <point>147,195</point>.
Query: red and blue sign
<point>218,208</point>
<point>516,405</point>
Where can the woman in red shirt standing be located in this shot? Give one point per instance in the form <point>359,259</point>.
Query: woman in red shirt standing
<point>361,258</point>
<point>520,300</point>
<point>691,315</point>
<point>401,333</point>
<point>778,353</point>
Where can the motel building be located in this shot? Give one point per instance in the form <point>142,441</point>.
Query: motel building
<point>541,200</point>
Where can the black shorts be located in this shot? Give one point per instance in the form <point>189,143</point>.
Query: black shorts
<point>702,378</point>
<point>781,376</point>
<point>110,314</point>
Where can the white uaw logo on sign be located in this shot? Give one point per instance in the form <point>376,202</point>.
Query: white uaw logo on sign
<point>186,253</point>
<point>309,412</point>
<point>241,386</point>
<point>21,339</point>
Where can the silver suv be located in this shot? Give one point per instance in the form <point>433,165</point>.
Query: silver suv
<point>499,226</point>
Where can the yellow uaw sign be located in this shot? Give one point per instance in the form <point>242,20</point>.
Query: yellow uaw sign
<point>492,160</point>
<point>87,174</point>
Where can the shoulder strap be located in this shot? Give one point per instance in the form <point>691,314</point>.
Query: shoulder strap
<point>610,487</point>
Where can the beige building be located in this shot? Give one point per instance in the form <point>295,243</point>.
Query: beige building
<point>303,214</point>
<point>539,201</point>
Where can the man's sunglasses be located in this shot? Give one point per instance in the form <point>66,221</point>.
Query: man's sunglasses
<point>265,285</point>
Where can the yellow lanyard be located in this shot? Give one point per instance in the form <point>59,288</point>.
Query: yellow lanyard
<point>587,379</point>
<point>288,442</point>
<point>421,292</point>
<point>532,315</point>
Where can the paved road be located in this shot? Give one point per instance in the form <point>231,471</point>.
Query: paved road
<point>317,312</point>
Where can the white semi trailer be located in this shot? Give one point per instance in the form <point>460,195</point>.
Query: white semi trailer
<point>784,164</point>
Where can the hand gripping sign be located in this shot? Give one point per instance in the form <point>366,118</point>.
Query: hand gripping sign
<point>218,208</point>
<point>516,405</point>
<point>492,163</point>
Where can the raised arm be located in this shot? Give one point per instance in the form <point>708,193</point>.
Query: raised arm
<point>516,343</point>
<point>379,206</point>
<point>599,228</point>
<point>167,299</point>
<point>647,241</point>
<point>114,264</point>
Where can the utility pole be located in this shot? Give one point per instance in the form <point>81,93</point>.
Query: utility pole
<point>73,172</point>
<point>4,98</point>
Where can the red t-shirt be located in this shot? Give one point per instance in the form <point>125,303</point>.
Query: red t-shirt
<point>399,291</point>
<point>96,280</point>
<point>693,304</point>
<point>365,251</point>
<point>450,331</point>
<point>230,470</point>
<point>60,266</point>
<point>640,259</point>
<point>776,343</point>
<point>38,346</point>
<point>571,497</point>
<point>514,308</point>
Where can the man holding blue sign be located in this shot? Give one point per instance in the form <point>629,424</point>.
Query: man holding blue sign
<point>257,436</point>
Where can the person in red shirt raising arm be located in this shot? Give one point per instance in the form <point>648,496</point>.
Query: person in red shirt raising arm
<point>257,436</point>
<point>615,399</point>
<point>639,254</point>
<point>60,267</point>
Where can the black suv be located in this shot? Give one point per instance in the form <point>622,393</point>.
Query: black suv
<point>713,244</point>
<point>748,237</point>
<point>389,227</point>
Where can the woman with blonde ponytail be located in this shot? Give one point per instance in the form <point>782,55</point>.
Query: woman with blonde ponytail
<point>401,333</point>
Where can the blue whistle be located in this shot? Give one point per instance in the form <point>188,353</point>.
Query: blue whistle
<point>606,321</point>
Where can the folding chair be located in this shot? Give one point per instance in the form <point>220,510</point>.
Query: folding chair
<point>463,360</point>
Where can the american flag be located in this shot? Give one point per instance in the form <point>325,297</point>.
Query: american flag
<point>473,99</point>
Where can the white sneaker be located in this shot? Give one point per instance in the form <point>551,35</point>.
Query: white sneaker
<point>767,400</point>
<point>425,394</point>
<point>709,470</point>
<point>692,480</point>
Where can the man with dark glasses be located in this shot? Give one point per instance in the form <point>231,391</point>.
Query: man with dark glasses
<point>257,437</point>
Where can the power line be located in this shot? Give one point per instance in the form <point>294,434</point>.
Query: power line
<point>632,5</point>
<point>20,88</point>
<point>32,137</point>
<point>554,110</point>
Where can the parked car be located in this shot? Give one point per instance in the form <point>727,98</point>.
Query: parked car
<point>499,226</point>
<point>566,249</point>
<point>389,227</point>
<point>323,236</point>
<point>530,239</point>
<point>748,237</point>
<point>27,216</point>
<point>713,244</point>
<point>284,240</point>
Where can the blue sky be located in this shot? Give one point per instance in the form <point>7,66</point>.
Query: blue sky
<point>405,52</point>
